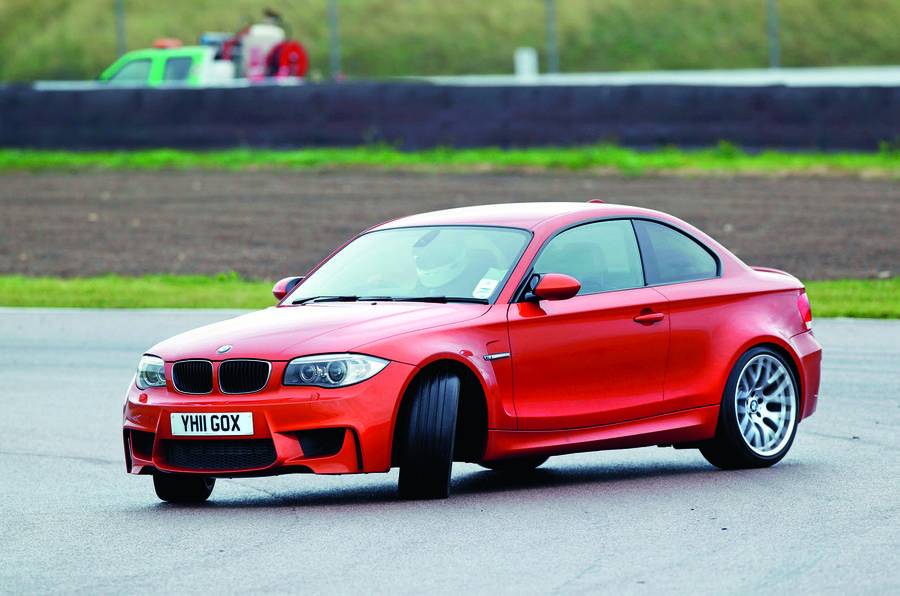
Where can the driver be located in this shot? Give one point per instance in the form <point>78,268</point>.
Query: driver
<point>443,265</point>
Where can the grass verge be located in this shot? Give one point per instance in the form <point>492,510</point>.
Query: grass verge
<point>877,299</point>
<point>864,299</point>
<point>723,159</point>
<point>64,39</point>
<point>151,291</point>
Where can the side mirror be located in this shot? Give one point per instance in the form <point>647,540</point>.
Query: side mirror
<point>284,286</point>
<point>556,286</point>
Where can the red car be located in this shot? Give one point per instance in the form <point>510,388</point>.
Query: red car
<point>500,335</point>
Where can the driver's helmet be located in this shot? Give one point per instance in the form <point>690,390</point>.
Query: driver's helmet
<point>439,260</point>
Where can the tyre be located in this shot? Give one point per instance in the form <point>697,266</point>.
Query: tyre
<point>759,413</point>
<point>427,456</point>
<point>183,488</point>
<point>519,464</point>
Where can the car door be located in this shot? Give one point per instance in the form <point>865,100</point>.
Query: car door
<point>599,357</point>
<point>701,315</point>
<point>135,71</point>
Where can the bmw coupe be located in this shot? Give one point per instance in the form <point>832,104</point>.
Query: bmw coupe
<point>500,335</point>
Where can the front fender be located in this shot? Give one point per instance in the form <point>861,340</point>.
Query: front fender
<point>467,343</point>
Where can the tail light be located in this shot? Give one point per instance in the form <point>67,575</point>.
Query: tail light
<point>805,309</point>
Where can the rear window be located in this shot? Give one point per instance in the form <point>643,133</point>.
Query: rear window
<point>671,256</point>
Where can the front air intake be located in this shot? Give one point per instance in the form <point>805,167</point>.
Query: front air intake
<point>221,455</point>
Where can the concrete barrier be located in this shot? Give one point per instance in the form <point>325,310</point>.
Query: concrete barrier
<point>414,115</point>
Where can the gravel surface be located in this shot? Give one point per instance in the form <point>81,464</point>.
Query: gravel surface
<point>266,225</point>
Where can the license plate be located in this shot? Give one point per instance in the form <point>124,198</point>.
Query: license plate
<point>231,424</point>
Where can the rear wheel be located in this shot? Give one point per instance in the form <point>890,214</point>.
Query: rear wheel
<point>183,488</point>
<point>519,464</point>
<point>427,456</point>
<point>759,413</point>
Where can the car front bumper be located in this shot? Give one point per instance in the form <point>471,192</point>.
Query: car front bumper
<point>295,429</point>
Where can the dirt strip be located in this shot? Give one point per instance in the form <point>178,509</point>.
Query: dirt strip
<point>265,225</point>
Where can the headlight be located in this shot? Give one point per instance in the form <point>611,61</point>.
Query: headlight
<point>332,370</point>
<point>151,372</point>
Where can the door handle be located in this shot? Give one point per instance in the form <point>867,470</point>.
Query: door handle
<point>653,317</point>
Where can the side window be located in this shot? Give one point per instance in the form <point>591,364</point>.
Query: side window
<point>177,69</point>
<point>133,72</point>
<point>671,256</point>
<point>603,256</point>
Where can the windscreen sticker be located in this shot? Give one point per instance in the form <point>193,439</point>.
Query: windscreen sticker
<point>488,283</point>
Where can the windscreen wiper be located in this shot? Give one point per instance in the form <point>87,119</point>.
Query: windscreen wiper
<point>343,299</point>
<point>326,299</point>
<point>444,299</point>
<point>437,299</point>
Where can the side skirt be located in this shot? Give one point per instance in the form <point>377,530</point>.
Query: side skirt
<point>685,426</point>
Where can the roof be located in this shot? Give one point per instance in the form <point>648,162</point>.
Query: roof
<point>520,215</point>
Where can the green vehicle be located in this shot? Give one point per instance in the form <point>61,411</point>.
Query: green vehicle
<point>256,53</point>
<point>188,65</point>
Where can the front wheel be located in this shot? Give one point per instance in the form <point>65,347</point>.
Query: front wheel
<point>183,488</point>
<point>427,456</point>
<point>759,413</point>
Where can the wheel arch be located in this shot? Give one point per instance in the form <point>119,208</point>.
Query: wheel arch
<point>774,346</point>
<point>782,350</point>
<point>731,448</point>
<point>472,417</point>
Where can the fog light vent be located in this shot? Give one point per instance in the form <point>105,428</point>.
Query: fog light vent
<point>321,442</point>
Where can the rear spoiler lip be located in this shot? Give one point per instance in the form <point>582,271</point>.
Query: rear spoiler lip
<point>779,272</point>
<point>772,270</point>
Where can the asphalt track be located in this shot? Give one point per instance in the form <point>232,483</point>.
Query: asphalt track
<point>644,521</point>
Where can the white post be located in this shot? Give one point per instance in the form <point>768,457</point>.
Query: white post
<point>552,43</point>
<point>119,8</point>
<point>334,47</point>
<point>774,49</point>
<point>526,61</point>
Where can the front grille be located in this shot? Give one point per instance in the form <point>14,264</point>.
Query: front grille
<point>234,454</point>
<point>243,376</point>
<point>193,376</point>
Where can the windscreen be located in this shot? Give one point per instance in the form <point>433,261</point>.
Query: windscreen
<point>453,263</point>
